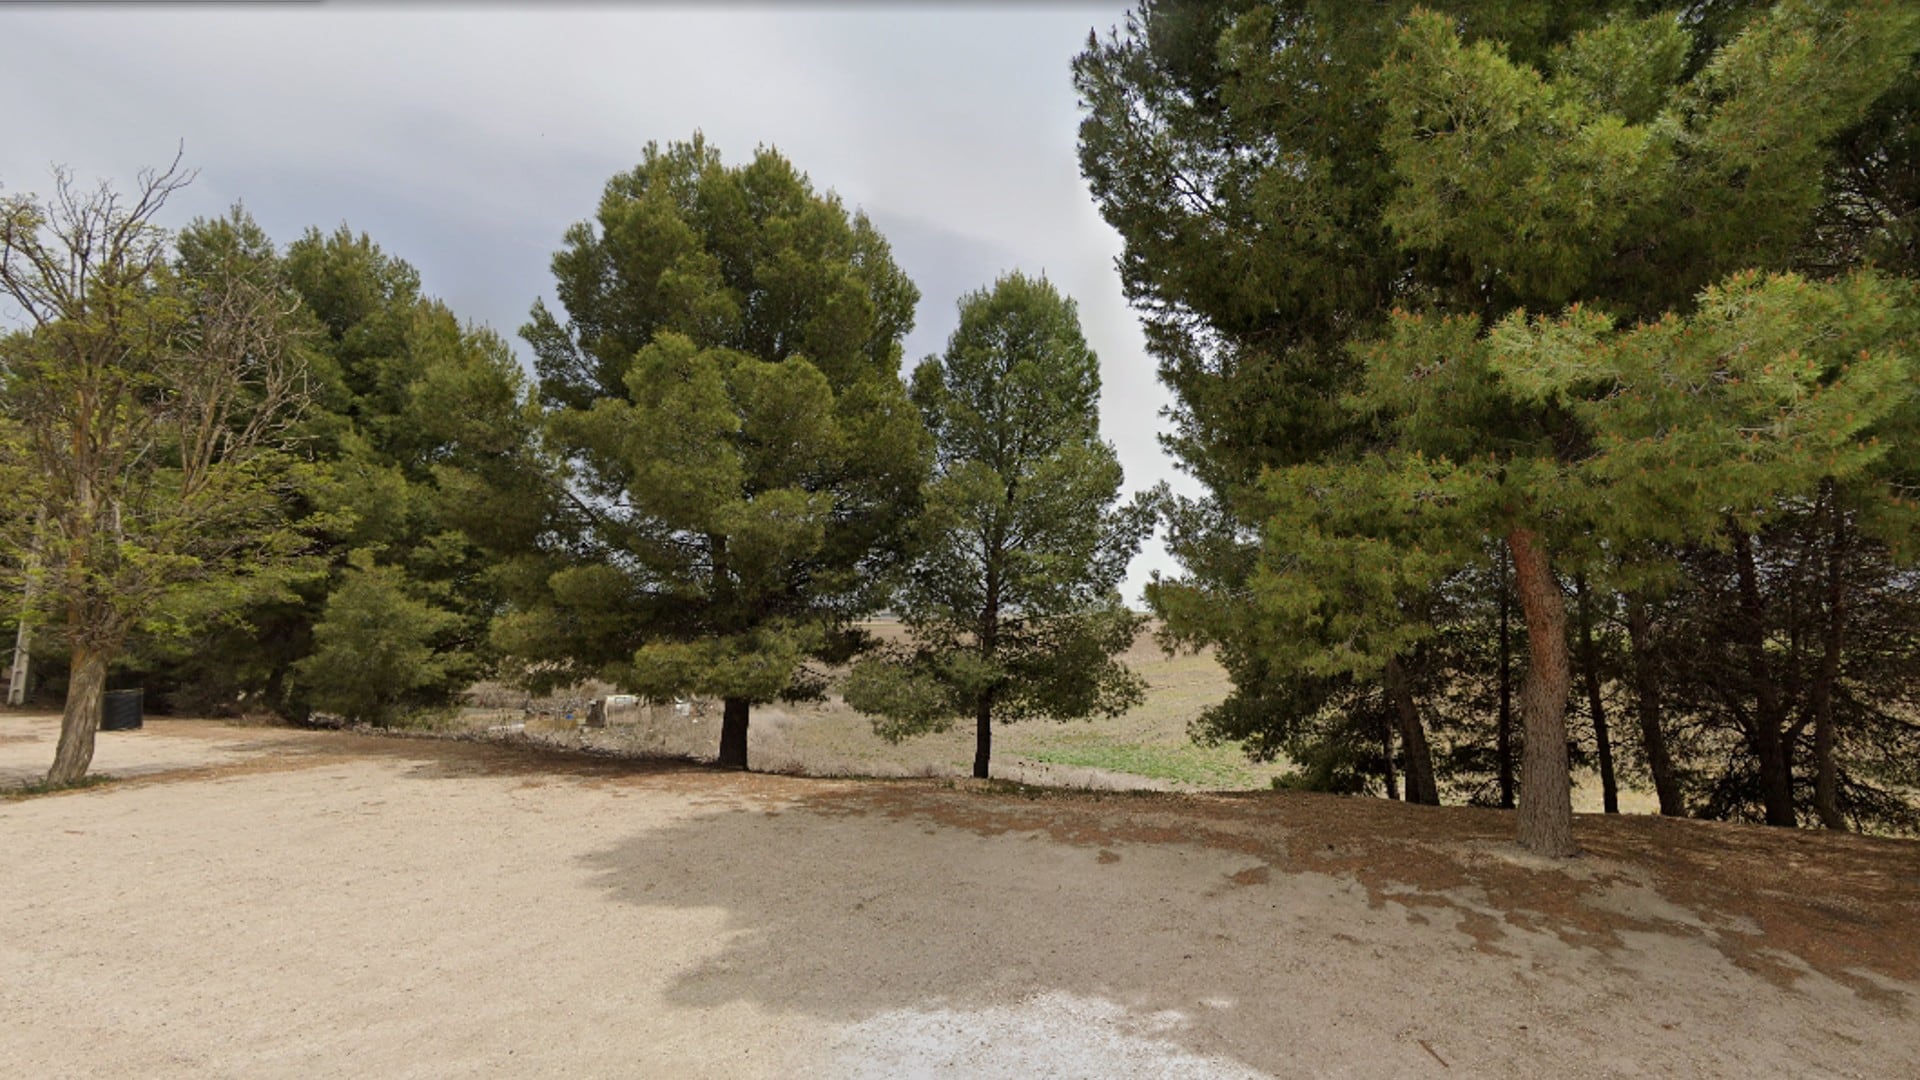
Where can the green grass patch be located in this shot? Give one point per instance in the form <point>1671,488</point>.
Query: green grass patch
<point>1012,789</point>
<point>1194,765</point>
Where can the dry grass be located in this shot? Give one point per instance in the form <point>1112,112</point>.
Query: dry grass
<point>1147,747</point>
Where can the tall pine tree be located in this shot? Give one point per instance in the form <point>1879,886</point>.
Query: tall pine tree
<point>1011,604</point>
<point>1463,168</point>
<point>725,393</point>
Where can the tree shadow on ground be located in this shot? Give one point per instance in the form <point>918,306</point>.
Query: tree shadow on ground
<point>1270,930</point>
<point>257,750</point>
<point>843,916</point>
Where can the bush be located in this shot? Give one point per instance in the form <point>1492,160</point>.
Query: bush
<point>377,654</point>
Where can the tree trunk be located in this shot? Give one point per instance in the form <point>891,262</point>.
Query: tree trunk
<point>1386,760</point>
<point>1503,738</point>
<point>86,681</point>
<point>1421,787</point>
<point>983,737</point>
<point>1826,795</point>
<point>1770,742</point>
<point>988,633</point>
<point>1646,685</point>
<point>1590,668</point>
<point>22,666</point>
<point>1546,788</point>
<point>275,691</point>
<point>22,669</point>
<point>733,734</point>
<point>1776,775</point>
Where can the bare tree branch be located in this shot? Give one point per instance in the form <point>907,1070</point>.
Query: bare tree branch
<point>155,410</point>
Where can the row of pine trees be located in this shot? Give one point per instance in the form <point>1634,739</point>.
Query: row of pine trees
<point>715,476</point>
<point>1550,370</point>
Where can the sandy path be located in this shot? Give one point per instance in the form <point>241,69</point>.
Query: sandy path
<point>327,905</point>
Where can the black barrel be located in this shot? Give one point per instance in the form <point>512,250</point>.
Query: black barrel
<point>120,710</point>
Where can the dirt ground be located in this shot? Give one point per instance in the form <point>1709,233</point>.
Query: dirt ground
<point>263,902</point>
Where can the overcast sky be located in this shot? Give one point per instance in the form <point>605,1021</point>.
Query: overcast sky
<point>466,139</point>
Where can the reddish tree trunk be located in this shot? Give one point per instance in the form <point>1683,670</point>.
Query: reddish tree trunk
<point>1646,685</point>
<point>86,682</point>
<point>1546,787</point>
<point>1503,738</point>
<point>733,733</point>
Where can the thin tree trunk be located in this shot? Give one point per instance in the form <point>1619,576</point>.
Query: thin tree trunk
<point>1770,742</point>
<point>989,642</point>
<point>1826,795</point>
<point>983,737</point>
<point>22,669</point>
<point>275,691</point>
<point>1546,789</point>
<point>1776,775</point>
<point>736,711</point>
<point>1421,787</point>
<point>1646,685</point>
<point>86,681</point>
<point>1503,737</point>
<point>22,660</point>
<point>733,733</point>
<point>1590,669</point>
<point>1386,760</point>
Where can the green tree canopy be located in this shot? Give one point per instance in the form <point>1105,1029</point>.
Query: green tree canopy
<point>1465,169</point>
<point>409,411</point>
<point>375,645</point>
<point>741,451</point>
<point>154,399</point>
<point>1011,603</point>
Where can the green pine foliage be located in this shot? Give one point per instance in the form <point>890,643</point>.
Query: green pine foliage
<point>740,452</point>
<point>1011,604</point>
<point>379,652</point>
<point>407,407</point>
<point>1506,271</point>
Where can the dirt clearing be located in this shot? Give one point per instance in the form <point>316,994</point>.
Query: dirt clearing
<point>261,902</point>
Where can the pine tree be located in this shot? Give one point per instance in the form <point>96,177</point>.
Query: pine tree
<point>741,452</point>
<point>1496,168</point>
<point>405,401</point>
<point>1011,605</point>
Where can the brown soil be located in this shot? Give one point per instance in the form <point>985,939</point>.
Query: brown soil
<point>268,902</point>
